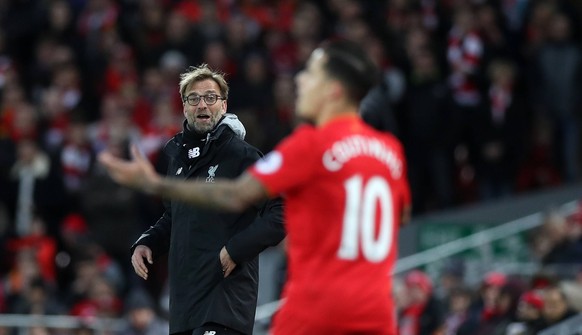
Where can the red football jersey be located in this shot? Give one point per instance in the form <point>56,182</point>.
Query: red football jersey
<point>345,187</point>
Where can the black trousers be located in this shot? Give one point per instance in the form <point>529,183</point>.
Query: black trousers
<point>211,329</point>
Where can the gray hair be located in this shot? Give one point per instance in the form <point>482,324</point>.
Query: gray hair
<point>200,73</point>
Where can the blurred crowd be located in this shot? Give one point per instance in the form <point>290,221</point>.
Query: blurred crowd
<point>484,94</point>
<point>500,303</point>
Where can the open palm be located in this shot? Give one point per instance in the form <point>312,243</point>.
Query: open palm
<point>137,173</point>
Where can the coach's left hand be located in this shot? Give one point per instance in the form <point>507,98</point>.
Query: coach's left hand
<point>227,263</point>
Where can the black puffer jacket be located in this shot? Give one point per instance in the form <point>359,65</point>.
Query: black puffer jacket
<point>194,236</point>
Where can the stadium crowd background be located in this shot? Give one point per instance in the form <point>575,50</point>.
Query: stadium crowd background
<point>485,96</point>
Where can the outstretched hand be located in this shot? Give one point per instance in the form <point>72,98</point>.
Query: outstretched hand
<point>137,173</point>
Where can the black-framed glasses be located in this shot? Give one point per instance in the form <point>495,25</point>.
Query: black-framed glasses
<point>194,99</point>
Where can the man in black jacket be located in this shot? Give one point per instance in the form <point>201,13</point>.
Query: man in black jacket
<point>213,255</point>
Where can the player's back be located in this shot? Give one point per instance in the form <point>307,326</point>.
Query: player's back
<point>343,226</point>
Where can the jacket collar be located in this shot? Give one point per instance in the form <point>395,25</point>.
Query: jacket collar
<point>228,121</point>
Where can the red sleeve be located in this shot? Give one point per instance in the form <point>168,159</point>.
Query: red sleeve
<point>290,164</point>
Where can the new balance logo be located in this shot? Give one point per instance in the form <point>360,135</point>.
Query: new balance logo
<point>194,152</point>
<point>179,171</point>
<point>209,332</point>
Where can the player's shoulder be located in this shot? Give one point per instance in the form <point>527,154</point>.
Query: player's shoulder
<point>305,130</point>
<point>387,137</point>
<point>304,134</point>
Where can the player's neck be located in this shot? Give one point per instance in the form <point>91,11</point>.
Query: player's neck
<point>333,111</point>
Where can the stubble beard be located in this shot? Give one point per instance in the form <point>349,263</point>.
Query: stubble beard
<point>200,129</point>
<point>203,128</point>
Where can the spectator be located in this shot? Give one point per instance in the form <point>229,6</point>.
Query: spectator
<point>142,316</point>
<point>90,265</point>
<point>43,246</point>
<point>465,59</point>
<point>100,197</point>
<point>451,278</point>
<point>493,30</point>
<point>572,288</point>
<point>59,100</point>
<point>101,300</point>
<point>284,105</point>
<point>74,235</point>
<point>485,307</point>
<point>556,307</point>
<point>60,25</point>
<point>458,312</point>
<point>558,70</point>
<point>37,188</point>
<point>76,161</point>
<point>528,315</point>
<point>423,314</point>
<point>559,242</point>
<point>252,98</point>
<point>501,134</point>
<point>23,272</point>
<point>378,106</point>
<point>19,117</point>
<point>424,118</point>
<point>538,169</point>
<point>180,35</point>
<point>38,299</point>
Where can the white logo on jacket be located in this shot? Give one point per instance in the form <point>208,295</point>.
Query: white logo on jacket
<point>211,173</point>
<point>194,152</point>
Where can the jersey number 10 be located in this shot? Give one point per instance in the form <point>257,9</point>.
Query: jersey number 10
<point>362,200</point>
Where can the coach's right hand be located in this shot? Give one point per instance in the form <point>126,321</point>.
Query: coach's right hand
<point>140,253</point>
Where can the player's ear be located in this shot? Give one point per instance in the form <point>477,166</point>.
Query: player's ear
<point>336,90</point>
<point>224,106</point>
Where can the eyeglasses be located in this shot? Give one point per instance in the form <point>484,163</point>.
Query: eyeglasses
<point>194,99</point>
